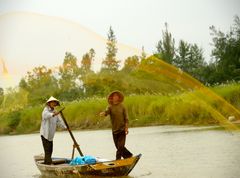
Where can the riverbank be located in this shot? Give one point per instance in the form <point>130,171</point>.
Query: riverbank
<point>144,110</point>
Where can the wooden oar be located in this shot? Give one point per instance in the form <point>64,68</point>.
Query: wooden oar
<point>70,132</point>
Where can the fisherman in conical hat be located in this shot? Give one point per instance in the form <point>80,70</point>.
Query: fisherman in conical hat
<point>119,119</point>
<point>50,120</point>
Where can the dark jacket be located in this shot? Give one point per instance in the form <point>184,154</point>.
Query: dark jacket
<point>119,117</point>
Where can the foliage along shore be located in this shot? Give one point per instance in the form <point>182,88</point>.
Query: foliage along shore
<point>143,110</point>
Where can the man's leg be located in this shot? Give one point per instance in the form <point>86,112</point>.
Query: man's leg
<point>115,139</point>
<point>125,153</point>
<point>119,140</point>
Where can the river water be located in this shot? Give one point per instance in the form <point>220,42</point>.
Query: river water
<point>167,152</point>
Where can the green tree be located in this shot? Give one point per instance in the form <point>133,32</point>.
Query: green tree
<point>166,46</point>
<point>69,78</point>
<point>197,61</point>
<point>86,62</point>
<point>40,83</point>
<point>87,75</point>
<point>14,99</point>
<point>189,58</point>
<point>143,54</point>
<point>226,52</point>
<point>183,55</point>
<point>1,91</point>
<point>210,74</point>
<point>68,72</point>
<point>1,95</point>
<point>93,85</point>
<point>131,63</point>
<point>110,63</point>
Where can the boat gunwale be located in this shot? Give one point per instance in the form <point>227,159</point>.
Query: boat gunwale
<point>66,165</point>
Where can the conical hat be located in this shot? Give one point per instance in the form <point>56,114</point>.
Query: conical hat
<point>52,99</point>
<point>110,96</point>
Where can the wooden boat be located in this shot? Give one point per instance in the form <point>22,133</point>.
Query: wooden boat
<point>61,167</point>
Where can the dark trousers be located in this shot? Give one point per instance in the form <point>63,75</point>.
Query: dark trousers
<point>119,141</point>
<point>48,149</point>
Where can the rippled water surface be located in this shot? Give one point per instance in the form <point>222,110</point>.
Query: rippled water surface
<point>168,152</point>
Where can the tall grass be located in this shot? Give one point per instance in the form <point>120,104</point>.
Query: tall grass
<point>230,93</point>
<point>143,110</point>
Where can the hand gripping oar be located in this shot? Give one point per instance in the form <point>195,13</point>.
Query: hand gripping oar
<point>70,132</point>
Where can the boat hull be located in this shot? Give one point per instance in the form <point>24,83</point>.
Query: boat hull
<point>109,168</point>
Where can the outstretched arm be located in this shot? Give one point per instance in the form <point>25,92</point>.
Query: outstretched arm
<point>106,112</point>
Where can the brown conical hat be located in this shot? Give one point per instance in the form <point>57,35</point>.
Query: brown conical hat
<point>110,96</point>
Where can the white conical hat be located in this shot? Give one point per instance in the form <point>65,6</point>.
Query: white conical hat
<point>52,99</point>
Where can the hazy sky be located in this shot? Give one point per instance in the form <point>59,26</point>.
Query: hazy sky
<point>139,22</point>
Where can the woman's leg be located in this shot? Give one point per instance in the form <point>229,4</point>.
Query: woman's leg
<point>48,148</point>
